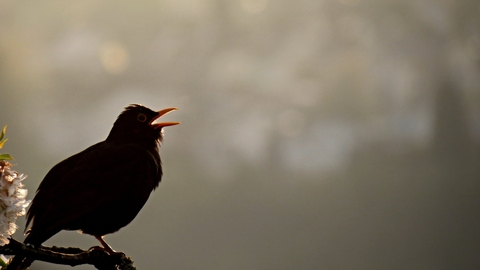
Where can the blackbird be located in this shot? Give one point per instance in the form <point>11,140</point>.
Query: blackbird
<point>101,189</point>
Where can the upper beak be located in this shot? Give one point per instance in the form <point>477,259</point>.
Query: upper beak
<point>163,124</point>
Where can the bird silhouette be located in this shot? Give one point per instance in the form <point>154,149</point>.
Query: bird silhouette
<point>101,189</point>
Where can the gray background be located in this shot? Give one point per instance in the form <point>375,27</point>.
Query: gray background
<point>315,134</point>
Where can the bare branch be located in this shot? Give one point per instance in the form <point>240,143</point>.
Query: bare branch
<point>70,256</point>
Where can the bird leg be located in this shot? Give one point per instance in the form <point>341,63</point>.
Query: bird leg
<point>107,247</point>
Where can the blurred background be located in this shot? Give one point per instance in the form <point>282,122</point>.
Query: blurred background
<point>316,134</point>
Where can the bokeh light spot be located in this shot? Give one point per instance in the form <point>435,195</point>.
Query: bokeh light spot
<point>114,57</point>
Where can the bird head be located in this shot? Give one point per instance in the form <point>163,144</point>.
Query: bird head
<point>137,124</point>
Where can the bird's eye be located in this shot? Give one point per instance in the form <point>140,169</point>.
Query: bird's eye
<point>141,117</point>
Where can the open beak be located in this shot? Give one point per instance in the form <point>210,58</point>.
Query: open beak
<point>163,124</point>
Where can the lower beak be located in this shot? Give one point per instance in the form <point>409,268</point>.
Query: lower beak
<point>164,124</point>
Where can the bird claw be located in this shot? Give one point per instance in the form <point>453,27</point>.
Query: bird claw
<point>97,248</point>
<point>109,251</point>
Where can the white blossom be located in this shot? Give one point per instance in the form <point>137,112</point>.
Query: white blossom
<point>12,200</point>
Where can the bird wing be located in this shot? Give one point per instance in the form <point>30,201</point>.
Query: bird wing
<point>52,180</point>
<point>102,178</point>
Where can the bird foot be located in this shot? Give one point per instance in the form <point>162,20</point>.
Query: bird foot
<point>108,250</point>
<point>107,247</point>
<point>97,248</point>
